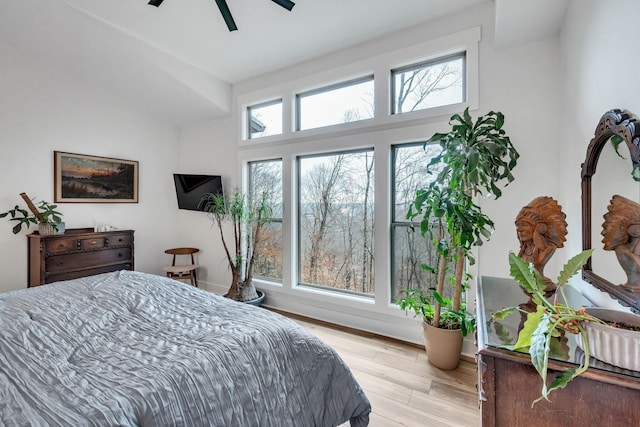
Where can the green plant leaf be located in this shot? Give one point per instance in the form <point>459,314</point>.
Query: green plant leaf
<point>573,265</point>
<point>522,272</point>
<point>615,142</point>
<point>556,348</point>
<point>474,159</point>
<point>499,120</point>
<point>428,268</point>
<point>529,327</point>
<point>635,172</point>
<point>567,375</point>
<point>424,227</point>
<point>442,301</point>
<point>560,381</point>
<point>467,117</point>
<point>539,349</point>
<point>501,314</point>
<point>437,137</point>
<point>456,118</point>
<point>538,296</point>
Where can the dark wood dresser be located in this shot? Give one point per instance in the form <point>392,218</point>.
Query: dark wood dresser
<point>77,253</point>
<point>508,383</point>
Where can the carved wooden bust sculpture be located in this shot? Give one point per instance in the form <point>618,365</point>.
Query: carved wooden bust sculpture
<point>541,229</point>
<point>621,233</point>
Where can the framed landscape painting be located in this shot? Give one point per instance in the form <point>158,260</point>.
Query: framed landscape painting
<point>80,178</point>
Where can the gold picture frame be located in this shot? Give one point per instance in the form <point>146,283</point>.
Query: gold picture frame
<point>81,178</point>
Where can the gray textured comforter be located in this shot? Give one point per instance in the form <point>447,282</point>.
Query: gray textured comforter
<point>128,348</point>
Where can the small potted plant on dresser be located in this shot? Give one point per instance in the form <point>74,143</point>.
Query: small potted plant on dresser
<point>610,336</point>
<point>45,215</point>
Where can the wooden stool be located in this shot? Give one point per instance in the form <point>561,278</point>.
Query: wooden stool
<point>180,272</point>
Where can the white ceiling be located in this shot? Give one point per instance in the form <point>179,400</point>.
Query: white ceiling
<point>179,60</point>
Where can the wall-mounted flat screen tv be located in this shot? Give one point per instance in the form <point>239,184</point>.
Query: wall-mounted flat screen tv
<point>190,189</point>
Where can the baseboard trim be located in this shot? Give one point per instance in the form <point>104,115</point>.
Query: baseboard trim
<point>355,331</point>
<point>348,329</point>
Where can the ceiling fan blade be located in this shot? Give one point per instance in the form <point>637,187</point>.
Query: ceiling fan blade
<point>226,14</point>
<point>287,4</point>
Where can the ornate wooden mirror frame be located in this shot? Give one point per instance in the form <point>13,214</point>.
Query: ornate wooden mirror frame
<point>626,126</point>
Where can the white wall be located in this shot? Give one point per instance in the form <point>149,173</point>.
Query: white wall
<point>521,82</point>
<point>600,72</point>
<point>41,111</point>
<point>208,148</point>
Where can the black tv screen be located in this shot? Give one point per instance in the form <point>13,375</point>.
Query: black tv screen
<point>190,189</point>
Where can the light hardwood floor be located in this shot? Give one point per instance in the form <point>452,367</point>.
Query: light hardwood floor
<point>404,390</point>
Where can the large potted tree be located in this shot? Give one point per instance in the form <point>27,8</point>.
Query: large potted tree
<point>475,158</point>
<point>246,217</point>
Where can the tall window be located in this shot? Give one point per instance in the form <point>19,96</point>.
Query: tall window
<point>410,250</point>
<point>264,119</point>
<point>265,177</point>
<point>428,85</point>
<point>335,221</point>
<point>342,103</point>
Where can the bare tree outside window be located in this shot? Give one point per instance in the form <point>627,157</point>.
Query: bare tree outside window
<point>429,85</point>
<point>336,221</point>
<point>265,177</point>
<point>337,104</point>
<point>410,250</point>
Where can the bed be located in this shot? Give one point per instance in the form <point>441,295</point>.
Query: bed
<point>134,349</point>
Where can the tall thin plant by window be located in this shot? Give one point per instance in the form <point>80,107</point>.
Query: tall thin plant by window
<point>247,217</point>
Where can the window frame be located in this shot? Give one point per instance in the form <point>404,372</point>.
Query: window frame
<point>380,66</point>
<point>328,88</point>
<point>425,64</point>
<point>251,107</point>
<point>394,223</point>
<point>380,133</point>
<point>297,232</point>
<point>271,219</point>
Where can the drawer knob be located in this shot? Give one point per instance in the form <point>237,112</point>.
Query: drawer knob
<point>61,245</point>
<point>59,262</point>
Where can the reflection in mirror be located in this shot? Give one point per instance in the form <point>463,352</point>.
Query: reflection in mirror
<point>621,234</point>
<point>617,170</point>
<point>612,168</point>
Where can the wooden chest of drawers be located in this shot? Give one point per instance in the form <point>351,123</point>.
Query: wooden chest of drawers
<point>77,253</point>
<point>508,383</point>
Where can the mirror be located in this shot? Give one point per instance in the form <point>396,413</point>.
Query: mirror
<point>617,167</point>
<point>619,174</point>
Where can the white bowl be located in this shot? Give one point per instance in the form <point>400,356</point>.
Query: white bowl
<point>615,346</point>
